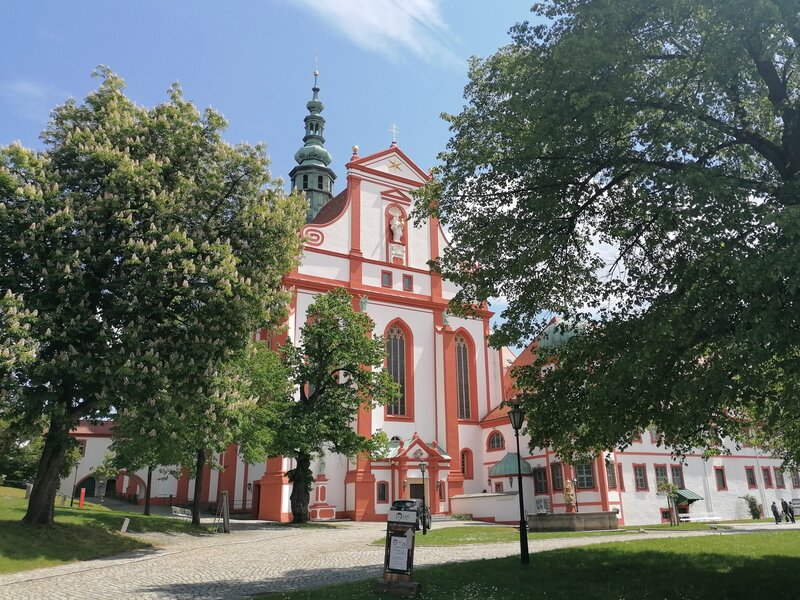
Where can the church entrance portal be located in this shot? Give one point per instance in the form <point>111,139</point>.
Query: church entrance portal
<point>416,491</point>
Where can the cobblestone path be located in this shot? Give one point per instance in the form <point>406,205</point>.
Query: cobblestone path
<point>259,559</point>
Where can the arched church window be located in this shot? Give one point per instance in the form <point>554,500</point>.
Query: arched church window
<point>462,378</point>
<point>305,182</point>
<point>496,441</point>
<point>396,364</point>
<point>319,182</point>
<point>466,463</point>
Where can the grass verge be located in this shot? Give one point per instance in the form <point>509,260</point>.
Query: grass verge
<point>78,534</point>
<point>490,534</point>
<point>733,567</point>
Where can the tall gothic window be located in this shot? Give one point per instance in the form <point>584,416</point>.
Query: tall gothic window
<point>462,378</point>
<point>396,363</point>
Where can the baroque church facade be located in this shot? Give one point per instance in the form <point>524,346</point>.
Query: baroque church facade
<point>449,416</point>
<point>361,240</point>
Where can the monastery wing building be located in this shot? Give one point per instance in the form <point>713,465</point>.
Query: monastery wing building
<point>449,414</point>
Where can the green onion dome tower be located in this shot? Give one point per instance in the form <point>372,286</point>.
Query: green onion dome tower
<point>311,175</point>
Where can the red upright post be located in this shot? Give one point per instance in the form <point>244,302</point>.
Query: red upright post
<point>83,497</point>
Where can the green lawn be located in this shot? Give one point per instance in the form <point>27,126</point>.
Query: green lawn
<point>79,534</point>
<point>489,534</point>
<point>731,567</point>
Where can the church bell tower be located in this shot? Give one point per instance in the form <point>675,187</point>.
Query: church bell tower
<point>312,176</point>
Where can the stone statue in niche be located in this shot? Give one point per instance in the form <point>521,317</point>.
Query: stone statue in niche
<point>396,224</point>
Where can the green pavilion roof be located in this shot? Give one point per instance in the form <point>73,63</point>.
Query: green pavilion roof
<point>508,466</point>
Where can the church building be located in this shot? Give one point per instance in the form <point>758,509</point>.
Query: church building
<point>361,240</point>
<point>448,419</point>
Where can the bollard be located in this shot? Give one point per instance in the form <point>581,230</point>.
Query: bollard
<point>125,524</point>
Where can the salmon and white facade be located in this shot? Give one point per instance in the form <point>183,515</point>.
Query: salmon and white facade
<point>453,383</point>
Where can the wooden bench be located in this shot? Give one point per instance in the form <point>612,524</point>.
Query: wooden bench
<point>700,518</point>
<point>177,511</point>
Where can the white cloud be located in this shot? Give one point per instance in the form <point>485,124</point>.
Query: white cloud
<point>393,28</point>
<point>28,99</point>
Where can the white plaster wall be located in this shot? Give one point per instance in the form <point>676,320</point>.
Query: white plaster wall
<point>449,289</point>
<point>474,328</point>
<point>373,221</point>
<point>374,231</point>
<point>495,378</point>
<point>337,234</point>
<point>317,264</point>
<point>254,473</point>
<point>163,483</point>
<point>644,507</point>
<point>470,436</point>
<point>419,245</point>
<point>335,471</point>
<point>382,472</point>
<point>420,322</point>
<point>213,485</point>
<point>304,300</point>
<point>371,276</point>
<point>503,508</point>
<point>238,499</point>
<point>438,389</point>
<point>96,447</point>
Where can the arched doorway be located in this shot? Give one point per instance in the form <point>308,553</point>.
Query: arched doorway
<point>88,483</point>
<point>111,486</point>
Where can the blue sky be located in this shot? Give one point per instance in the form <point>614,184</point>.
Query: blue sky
<point>381,62</point>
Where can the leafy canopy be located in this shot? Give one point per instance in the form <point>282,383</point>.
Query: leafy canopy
<point>148,249</point>
<point>336,368</point>
<point>639,161</point>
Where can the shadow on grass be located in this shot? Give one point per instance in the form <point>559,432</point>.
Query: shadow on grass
<point>23,547</point>
<point>726,567</point>
<point>112,520</point>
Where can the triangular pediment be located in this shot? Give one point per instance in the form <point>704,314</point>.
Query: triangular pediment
<point>417,449</point>
<point>395,195</point>
<point>391,163</point>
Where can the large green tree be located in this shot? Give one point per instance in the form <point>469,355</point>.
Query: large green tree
<point>151,250</point>
<point>640,161</point>
<point>233,408</point>
<point>337,368</point>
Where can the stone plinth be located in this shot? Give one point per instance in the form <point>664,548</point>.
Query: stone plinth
<point>403,589</point>
<point>580,521</point>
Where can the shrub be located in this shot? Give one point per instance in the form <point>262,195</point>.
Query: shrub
<point>752,506</point>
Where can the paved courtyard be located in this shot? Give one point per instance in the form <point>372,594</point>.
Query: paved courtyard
<point>256,558</point>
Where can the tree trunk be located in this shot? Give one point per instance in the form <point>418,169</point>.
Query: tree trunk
<point>301,489</point>
<point>198,486</point>
<point>48,474</point>
<point>147,490</point>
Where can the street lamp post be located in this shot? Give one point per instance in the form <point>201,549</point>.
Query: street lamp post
<point>423,467</point>
<point>517,417</point>
<point>74,483</point>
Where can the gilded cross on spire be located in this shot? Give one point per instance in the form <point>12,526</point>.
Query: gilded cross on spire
<point>394,131</point>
